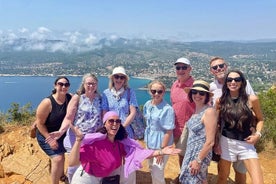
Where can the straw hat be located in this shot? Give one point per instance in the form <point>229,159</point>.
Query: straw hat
<point>200,85</point>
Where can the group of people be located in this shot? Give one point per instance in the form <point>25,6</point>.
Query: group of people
<point>222,118</point>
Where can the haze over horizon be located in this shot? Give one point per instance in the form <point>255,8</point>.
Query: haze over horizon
<point>158,19</point>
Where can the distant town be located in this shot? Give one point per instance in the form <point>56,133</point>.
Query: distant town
<point>148,60</point>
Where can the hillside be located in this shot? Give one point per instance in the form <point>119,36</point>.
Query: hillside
<point>23,162</point>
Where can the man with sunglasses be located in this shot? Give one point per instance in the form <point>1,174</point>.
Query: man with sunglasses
<point>218,69</point>
<point>181,104</point>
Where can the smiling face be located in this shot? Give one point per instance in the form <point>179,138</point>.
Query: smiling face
<point>234,82</point>
<point>218,68</point>
<point>90,85</point>
<point>182,71</point>
<point>112,125</point>
<point>157,92</point>
<point>119,80</point>
<point>199,97</point>
<point>62,86</point>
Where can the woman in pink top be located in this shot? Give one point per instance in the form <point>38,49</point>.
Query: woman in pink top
<point>101,154</point>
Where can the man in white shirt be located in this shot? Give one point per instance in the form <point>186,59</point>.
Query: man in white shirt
<point>218,67</point>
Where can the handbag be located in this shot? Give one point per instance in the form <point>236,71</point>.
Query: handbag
<point>33,130</point>
<point>137,125</point>
<point>111,179</point>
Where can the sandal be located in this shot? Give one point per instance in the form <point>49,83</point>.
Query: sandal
<point>64,179</point>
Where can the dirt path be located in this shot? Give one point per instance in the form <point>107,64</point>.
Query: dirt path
<point>25,160</point>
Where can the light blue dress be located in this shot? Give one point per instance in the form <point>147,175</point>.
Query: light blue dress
<point>196,140</point>
<point>159,118</point>
<point>120,105</point>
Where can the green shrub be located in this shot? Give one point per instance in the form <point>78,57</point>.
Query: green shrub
<point>268,106</point>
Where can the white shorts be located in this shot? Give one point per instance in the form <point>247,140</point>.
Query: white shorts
<point>233,150</point>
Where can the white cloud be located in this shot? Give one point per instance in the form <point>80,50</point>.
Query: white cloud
<point>23,30</point>
<point>90,39</point>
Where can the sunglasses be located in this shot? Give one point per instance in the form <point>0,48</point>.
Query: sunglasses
<point>122,77</point>
<point>230,79</point>
<point>159,92</point>
<point>218,66</point>
<point>117,121</point>
<point>201,93</point>
<point>181,67</point>
<point>91,83</point>
<point>61,84</point>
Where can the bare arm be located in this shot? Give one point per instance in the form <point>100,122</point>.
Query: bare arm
<point>74,156</point>
<point>131,115</point>
<point>70,114</point>
<point>254,100</point>
<point>209,120</point>
<point>42,112</point>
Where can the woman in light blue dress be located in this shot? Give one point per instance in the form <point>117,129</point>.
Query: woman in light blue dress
<point>159,116</point>
<point>202,129</point>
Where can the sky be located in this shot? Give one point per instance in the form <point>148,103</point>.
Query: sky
<point>194,20</point>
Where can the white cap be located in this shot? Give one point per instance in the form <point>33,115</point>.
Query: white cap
<point>182,60</point>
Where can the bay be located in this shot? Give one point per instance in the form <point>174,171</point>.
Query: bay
<point>32,89</point>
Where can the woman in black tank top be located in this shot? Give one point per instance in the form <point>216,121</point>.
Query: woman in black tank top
<point>49,116</point>
<point>236,119</point>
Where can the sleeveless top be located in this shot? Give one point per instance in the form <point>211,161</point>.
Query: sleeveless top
<point>233,132</point>
<point>57,114</point>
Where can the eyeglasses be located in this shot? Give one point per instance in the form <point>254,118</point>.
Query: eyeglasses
<point>230,79</point>
<point>201,93</point>
<point>91,83</point>
<point>61,84</point>
<point>218,66</point>
<point>122,77</point>
<point>181,67</point>
<point>117,121</point>
<point>159,92</point>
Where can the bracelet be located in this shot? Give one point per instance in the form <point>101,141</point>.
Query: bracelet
<point>160,152</point>
<point>79,139</point>
<point>258,133</point>
<point>198,160</point>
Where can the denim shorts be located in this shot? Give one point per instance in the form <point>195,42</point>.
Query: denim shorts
<point>46,147</point>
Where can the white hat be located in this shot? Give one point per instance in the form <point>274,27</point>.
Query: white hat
<point>183,60</point>
<point>119,70</point>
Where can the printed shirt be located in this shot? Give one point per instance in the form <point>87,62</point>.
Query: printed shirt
<point>88,116</point>
<point>120,105</point>
<point>159,119</point>
<point>182,106</point>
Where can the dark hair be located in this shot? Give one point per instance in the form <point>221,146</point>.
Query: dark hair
<point>121,134</point>
<point>235,112</point>
<point>57,79</point>
<point>207,99</point>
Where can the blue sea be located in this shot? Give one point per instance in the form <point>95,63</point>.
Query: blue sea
<point>32,89</point>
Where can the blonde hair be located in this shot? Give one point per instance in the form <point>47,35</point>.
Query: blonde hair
<point>81,89</point>
<point>156,82</point>
<point>111,83</point>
